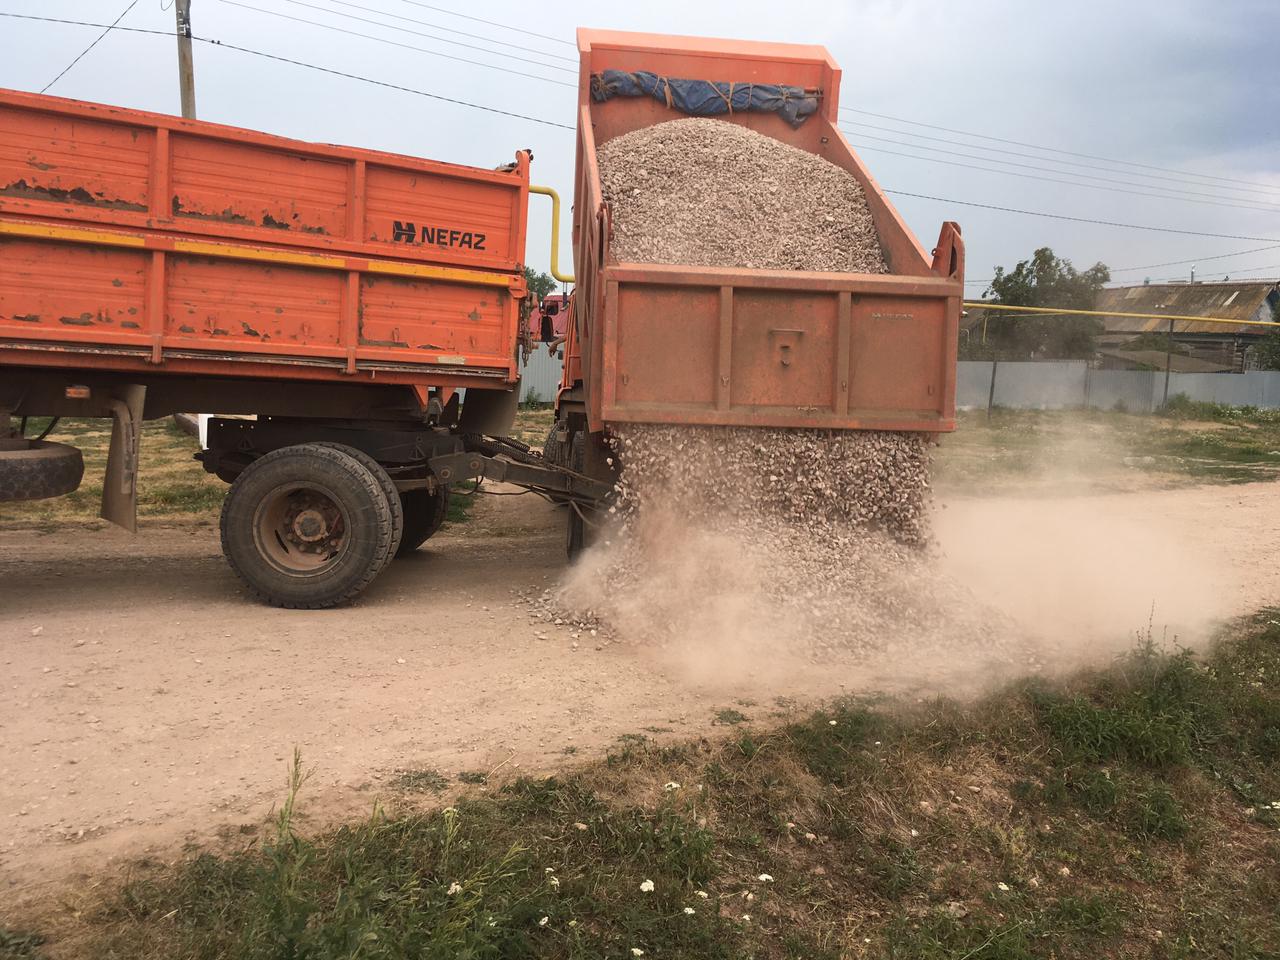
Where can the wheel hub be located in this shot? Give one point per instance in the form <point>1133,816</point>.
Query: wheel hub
<point>309,526</point>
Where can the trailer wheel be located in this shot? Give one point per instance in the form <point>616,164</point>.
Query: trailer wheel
<point>388,489</point>
<point>424,514</point>
<point>38,469</point>
<point>306,527</point>
<point>579,533</point>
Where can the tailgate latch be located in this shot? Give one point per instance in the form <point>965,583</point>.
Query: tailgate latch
<point>784,339</point>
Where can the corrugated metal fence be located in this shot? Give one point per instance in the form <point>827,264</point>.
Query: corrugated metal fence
<point>540,376</point>
<point>1059,384</point>
<point>1041,385</point>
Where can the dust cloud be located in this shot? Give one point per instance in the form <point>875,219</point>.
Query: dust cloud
<point>732,569</point>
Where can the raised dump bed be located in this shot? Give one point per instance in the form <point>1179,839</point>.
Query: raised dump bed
<point>131,241</point>
<point>660,343</point>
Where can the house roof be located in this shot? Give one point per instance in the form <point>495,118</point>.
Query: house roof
<point>1230,299</point>
<point>1155,360</point>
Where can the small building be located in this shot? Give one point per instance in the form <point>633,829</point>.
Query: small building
<point>1223,346</point>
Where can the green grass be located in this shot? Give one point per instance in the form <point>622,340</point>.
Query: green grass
<point>420,781</point>
<point>171,484</point>
<point>1125,812</point>
<point>17,945</point>
<point>1091,450</point>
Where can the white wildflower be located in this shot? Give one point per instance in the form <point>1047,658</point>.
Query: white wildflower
<point>1004,887</point>
<point>746,917</point>
<point>811,837</point>
<point>544,921</point>
<point>637,952</point>
<point>555,882</point>
<point>702,894</point>
<point>765,878</point>
<point>831,723</point>
<point>670,787</point>
<point>646,886</point>
<point>454,888</point>
<point>915,832</point>
<point>548,869</point>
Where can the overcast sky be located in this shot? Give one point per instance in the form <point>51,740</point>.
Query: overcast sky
<point>1181,85</point>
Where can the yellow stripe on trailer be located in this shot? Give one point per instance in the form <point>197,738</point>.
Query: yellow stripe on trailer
<point>234,251</point>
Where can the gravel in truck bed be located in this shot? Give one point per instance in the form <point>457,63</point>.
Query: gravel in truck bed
<point>712,193</point>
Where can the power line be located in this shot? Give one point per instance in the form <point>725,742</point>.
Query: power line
<point>1170,192</point>
<point>1069,153</point>
<point>80,56</point>
<point>437,26</point>
<point>299,63</point>
<point>1071,183</point>
<point>1174,263</point>
<point>416,33</point>
<point>564,126</point>
<point>381,83</point>
<point>1063,216</point>
<point>490,23</point>
<point>1069,163</point>
<point>1269,266</point>
<point>406,46</point>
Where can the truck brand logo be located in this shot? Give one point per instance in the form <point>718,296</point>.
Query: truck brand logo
<point>893,316</point>
<point>436,235</point>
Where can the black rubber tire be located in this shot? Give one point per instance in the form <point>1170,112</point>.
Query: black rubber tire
<point>424,514</point>
<point>38,469</point>
<point>350,485</point>
<point>554,451</point>
<point>388,488</point>
<point>579,533</point>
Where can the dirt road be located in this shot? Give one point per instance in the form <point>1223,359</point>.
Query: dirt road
<point>149,702</point>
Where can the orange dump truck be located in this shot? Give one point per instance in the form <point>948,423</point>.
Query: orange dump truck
<point>347,298</point>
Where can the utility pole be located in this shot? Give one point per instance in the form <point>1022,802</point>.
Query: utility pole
<point>186,66</point>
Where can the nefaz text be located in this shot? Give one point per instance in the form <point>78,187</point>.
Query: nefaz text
<point>437,236</point>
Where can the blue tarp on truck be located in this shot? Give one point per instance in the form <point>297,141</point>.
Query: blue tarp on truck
<point>706,98</point>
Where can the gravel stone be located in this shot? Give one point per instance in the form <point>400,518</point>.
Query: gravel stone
<point>712,193</point>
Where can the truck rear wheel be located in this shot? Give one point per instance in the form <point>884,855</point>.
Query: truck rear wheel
<point>388,488</point>
<point>307,527</point>
<point>424,514</point>
<point>38,469</point>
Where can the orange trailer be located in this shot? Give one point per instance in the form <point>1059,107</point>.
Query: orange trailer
<point>145,243</point>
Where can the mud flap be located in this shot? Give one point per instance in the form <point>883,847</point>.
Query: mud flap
<point>120,486</point>
<point>490,413</point>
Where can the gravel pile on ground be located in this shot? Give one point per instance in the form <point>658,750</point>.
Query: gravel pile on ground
<point>772,542</point>
<point>712,193</point>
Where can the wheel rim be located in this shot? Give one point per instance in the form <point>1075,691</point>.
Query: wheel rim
<point>302,530</point>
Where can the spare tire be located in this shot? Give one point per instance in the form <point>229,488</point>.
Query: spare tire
<point>38,469</point>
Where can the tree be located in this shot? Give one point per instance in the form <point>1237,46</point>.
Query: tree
<point>540,284</point>
<point>1043,281</point>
